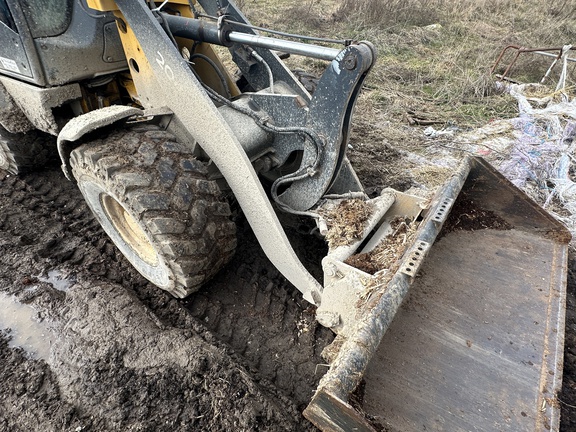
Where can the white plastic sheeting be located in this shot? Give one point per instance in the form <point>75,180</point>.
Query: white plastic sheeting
<point>535,150</point>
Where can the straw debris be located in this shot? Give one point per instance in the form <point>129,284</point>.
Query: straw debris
<point>432,176</point>
<point>389,251</point>
<point>346,222</point>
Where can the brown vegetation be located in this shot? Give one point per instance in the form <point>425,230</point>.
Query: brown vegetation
<point>434,56</point>
<point>346,222</point>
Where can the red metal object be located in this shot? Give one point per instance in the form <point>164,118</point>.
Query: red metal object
<point>555,53</point>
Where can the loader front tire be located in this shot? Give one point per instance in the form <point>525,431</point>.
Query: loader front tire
<point>153,199</point>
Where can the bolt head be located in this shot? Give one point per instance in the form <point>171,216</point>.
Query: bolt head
<point>350,62</point>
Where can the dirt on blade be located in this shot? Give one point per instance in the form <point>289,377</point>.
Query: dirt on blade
<point>390,250</point>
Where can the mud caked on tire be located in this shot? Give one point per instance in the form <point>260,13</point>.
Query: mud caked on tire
<point>153,199</point>
<point>24,152</point>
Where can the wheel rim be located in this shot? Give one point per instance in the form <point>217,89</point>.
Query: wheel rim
<point>129,229</point>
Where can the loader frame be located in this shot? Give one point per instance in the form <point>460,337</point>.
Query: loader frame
<point>163,75</point>
<point>164,81</point>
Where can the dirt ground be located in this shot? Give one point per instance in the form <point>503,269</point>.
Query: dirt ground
<point>242,354</point>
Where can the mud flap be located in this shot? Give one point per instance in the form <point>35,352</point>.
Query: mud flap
<point>478,342</point>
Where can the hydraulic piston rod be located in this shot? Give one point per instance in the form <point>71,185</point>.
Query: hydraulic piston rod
<point>299,48</point>
<point>203,31</point>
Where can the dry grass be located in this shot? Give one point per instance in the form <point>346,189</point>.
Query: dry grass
<point>434,55</point>
<point>434,59</point>
<point>389,252</point>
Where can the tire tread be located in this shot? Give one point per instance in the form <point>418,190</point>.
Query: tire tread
<point>166,189</point>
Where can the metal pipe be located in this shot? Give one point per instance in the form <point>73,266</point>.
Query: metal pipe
<point>520,50</point>
<point>557,56</point>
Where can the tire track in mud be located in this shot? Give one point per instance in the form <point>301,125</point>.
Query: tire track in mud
<point>251,307</point>
<point>45,225</point>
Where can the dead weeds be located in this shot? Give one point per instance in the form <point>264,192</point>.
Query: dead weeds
<point>432,176</point>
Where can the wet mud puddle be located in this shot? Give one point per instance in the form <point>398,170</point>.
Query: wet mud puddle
<point>57,280</point>
<point>23,328</point>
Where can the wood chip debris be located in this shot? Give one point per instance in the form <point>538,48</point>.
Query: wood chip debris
<point>346,222</point>
<point>389,251</point>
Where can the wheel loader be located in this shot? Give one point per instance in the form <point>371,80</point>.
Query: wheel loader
<point>448,310</point>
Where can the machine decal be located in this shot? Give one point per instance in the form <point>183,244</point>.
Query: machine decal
<point>9,64</point>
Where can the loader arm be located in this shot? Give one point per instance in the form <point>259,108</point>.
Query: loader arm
<point>316,127</point>
<point>164,79</point>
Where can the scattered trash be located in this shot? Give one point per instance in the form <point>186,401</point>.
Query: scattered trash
<point>536,150</point>
<point>430,132</point>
